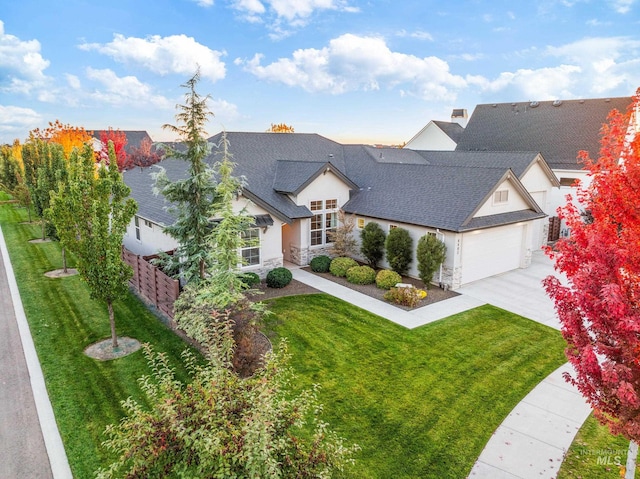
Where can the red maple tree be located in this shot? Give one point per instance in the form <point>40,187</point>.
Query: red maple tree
<point>119,139</point>
<point>145,154</point>
<point>599,304</point>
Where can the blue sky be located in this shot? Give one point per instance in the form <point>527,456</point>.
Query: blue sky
<point>365,71</point>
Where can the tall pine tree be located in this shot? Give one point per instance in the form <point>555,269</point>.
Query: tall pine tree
<point>191,199</point>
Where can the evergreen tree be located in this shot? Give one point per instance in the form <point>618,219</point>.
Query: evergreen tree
<point>191,199</point>
<point>399,246</point>
<point>372,239</point>
<point>430,254</point>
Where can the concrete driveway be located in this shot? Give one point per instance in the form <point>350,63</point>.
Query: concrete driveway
<point>519,291</point>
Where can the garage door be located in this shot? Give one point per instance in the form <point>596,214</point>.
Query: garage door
<point>492,251</point>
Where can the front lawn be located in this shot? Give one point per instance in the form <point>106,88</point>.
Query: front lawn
<point>85,393</point>
<point>423,402</point>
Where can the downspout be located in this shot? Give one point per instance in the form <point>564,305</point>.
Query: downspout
<point>440,273</point>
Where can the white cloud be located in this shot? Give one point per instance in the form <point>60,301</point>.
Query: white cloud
<point>419,35</point>
<point>622,6</point>
<point>164,55</point>
<point>73,81</point>
<point>122,91</point>
<point>204,3</point>
<point>21,64</point>
<point>352,62</point>
<point>15,120</point>
<point>283,15</point>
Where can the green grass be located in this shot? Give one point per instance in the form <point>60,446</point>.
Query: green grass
<point>421,403</point>
<point>595,452</point>
<point>85,393</point>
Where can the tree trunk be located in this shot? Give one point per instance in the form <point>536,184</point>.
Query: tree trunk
<point>631,460</point>
<point>112,322</point>
<point>44,229</point>
<point>202,270</point>
<point>64,260</point>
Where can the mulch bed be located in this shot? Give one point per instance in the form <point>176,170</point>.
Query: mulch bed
<point>434,294</point>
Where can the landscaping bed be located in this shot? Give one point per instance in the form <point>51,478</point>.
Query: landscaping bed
<point>434,294</point>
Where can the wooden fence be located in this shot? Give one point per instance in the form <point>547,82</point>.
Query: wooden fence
<point>151,283</point>
<point>554,229</point>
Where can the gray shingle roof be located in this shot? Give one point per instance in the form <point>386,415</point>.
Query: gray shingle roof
<point>559,130</point>
<point>518,161</point>
<point>433,196</point>
<point>452,129</point>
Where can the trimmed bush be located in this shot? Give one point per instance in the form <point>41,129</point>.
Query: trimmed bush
<point>340,266</point>
<point>405,296</point>
<point>372,239</point>
<point>320,264</point>
<point>399,246</point>
<point>279,277</point>
<point>430,254</point>
<point>250,279</point>
<point>361,275</point>
<point>387,279</point>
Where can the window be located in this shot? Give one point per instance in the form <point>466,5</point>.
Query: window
<point>136,221</point>
<point>501,197</point>
<point>392,227</point>
<point>360,223</point>
<point>250,251</point>
<point>568,181</point>
<point>324,221</point>
<point>148,224</point>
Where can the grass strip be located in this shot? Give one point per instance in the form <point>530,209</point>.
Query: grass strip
<point>85,393</point>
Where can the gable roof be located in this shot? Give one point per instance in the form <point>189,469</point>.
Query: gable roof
<point>294,176</point>
<point>518,161</point>
<point>434,196</point>
<point>557,129</point>
<point>452,129</point>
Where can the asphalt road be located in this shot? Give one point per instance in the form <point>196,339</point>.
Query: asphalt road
<point>23,454</point>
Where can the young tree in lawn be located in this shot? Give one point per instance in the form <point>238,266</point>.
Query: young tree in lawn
<point>192,198</point>
<point>95,210</point>
<point>9,169</point>
<point>430,254</point>
<point>598,306</point>
<point>119,140</point>
<point>52,169</point>
<point>372,242</point>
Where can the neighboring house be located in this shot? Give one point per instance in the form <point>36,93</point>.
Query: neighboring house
<point>559,130</point>
<point>440,135</point>
<point>477,203</point>
<point>134,138</point>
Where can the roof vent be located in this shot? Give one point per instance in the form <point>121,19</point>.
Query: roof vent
<point>557,102</point>
<point>534,104</point>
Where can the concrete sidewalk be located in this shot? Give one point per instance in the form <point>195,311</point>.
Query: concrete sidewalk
<point>30,444</point>
<point>408,319</point>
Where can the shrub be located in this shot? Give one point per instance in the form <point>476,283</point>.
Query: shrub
<point>430,254</point>
<point>344,244</point>
<point>340,266</point>
<point>279,277</point>
<point>320,264</point>
<point>372,243</point>
<point>386,279</point>
<point>405,296</point>
<point>250,279</point>
<point>361,275</point>
<point>399,246</point>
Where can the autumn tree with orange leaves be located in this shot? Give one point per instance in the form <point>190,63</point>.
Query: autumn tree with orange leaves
<point>68,136</point>
<point>280,128</point>
<point>599,306</point>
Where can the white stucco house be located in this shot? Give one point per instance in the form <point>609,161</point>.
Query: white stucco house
<point>488,208</point>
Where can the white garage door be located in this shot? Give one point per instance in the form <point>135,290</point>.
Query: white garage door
<point>492,251</point>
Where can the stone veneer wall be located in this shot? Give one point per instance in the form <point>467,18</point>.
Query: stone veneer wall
<point>303,256</point>
<point>267,265</point>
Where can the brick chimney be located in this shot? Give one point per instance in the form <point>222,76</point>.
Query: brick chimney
<point>459,116</point>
